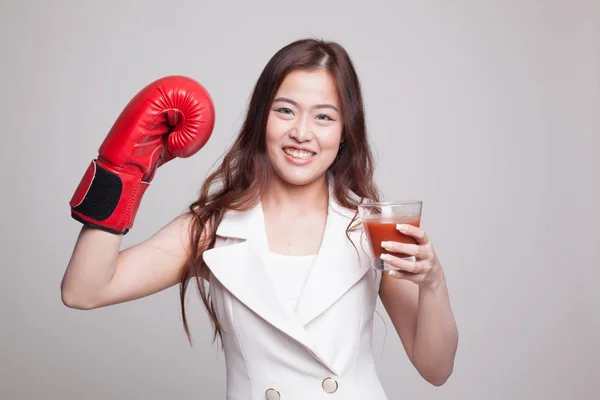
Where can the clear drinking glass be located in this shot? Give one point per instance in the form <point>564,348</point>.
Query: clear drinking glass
<point>379,220</point>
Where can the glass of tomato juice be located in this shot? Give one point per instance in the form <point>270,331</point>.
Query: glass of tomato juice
<point>379,220</point>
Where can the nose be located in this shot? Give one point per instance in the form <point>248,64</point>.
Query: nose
<point>301,131</point>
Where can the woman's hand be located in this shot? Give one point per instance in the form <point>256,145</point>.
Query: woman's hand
<point>425,270</point>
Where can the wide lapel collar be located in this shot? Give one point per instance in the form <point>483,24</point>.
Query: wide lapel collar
<point>338,265</point>
<point>238,267</point>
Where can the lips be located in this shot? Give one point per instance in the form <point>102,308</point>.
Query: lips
<point>299,154</point>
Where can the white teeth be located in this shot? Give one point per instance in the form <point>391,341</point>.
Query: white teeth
<point>300,154</point>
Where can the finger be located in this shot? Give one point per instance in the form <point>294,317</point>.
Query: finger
<point>414,267</point>
<point>404,248</point>
<point>413,231</point>
<point>421,252</point>
<point>397,274</point>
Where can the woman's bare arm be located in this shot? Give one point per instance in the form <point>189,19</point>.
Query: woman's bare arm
<point>98,274</point>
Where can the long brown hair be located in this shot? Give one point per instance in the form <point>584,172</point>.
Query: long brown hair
<point>245,169</point>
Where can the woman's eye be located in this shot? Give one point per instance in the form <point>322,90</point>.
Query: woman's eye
<point>324,117</point>
<point>284,110</point>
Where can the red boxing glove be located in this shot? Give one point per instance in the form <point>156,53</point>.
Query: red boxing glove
<point>171,117</point>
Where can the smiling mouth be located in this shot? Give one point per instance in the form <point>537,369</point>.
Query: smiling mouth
<point>299,154</point>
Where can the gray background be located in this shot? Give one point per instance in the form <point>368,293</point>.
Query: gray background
<point>486,110</point>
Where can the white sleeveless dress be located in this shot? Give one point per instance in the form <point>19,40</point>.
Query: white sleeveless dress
<point>295,328</point>
<point>288,274</point>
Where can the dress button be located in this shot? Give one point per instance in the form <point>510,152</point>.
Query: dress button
<point>329,385</point>
<point>272,394</point>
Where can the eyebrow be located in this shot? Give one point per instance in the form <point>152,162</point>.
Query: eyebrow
<point>286,100</point>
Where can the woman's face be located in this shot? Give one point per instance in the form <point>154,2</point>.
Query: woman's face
<point>304,127</point>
